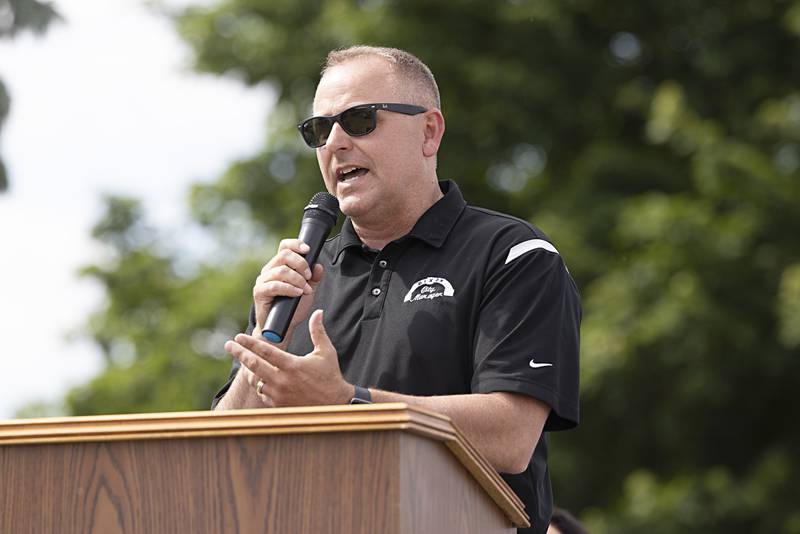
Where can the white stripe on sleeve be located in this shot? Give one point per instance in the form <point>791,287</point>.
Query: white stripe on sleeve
<point>526,246</point>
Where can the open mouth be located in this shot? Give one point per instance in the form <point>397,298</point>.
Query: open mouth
<point>349,173</point>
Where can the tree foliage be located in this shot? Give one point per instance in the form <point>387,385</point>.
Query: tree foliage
<point>658,143</point>
<point>15,17</point>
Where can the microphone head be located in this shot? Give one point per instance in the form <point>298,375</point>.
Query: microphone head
<point>323,206</point>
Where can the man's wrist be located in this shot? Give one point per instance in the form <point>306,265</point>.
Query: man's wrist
<point>361,395</point>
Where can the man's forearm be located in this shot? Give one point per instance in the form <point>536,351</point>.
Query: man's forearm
<point>240,395</point>
<point>505,427</point>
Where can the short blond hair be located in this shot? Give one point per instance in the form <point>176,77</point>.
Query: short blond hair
<point>423,89</point>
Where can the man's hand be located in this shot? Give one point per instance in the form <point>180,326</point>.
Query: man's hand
<point>291,380</point>
<point>286,275</point>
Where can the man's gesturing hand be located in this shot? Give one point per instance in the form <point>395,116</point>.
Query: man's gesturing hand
<point>291,380</point>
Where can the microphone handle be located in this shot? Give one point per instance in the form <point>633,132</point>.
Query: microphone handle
<point>313,233</point>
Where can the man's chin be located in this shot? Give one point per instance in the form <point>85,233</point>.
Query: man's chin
<point>357,209</point>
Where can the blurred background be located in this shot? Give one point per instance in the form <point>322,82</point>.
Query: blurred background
<point>151,163</point>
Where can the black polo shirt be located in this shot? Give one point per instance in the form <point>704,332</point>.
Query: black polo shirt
<point>470,301</point>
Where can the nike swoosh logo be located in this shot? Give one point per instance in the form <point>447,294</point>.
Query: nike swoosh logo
<point>538,365</point>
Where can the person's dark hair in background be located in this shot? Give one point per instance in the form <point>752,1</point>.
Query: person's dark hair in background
<point>564,522</point>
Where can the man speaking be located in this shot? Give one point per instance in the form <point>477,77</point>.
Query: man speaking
<point>421,298</point>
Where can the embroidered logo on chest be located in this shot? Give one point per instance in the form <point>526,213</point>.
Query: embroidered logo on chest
<point>428,289</point>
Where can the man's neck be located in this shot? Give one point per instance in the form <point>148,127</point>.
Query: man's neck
<point>376,234</point>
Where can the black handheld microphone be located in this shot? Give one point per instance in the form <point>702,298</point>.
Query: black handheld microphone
<point>318,218</point>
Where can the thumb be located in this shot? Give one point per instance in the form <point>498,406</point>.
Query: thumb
<point>319,337</point>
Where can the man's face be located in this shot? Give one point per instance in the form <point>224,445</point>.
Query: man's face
<point>371,175</point>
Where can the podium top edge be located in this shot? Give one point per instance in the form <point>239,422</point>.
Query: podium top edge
<point>206,414</point>
<point>182,424</point>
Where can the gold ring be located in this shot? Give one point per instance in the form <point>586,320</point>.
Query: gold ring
<point>259,386</point>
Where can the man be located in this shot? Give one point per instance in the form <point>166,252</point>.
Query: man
<point>427,301</point>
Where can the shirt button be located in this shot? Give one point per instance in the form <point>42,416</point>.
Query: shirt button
<point>376,291</point>
<point>383,264</point>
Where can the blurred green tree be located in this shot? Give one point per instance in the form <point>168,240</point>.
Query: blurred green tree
<point>17,16</point>
<point>658,143</point>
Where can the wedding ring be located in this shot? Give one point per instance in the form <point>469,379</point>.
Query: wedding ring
<point>259,386</point>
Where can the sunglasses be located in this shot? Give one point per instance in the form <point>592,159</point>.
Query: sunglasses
<point>356,121</point>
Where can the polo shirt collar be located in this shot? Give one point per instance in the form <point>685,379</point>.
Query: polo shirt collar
<point>433,227</point>
<point>435,224</point>
<point>347,238</point>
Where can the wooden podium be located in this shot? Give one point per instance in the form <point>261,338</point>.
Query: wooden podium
<point>380,468</point>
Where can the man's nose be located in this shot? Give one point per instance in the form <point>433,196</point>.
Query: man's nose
<point>338,139</point>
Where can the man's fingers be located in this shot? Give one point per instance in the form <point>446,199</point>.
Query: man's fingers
<point>266,351</point>
<point>293,244</point>
<point>283,273</point>
<point>267,291</point>
<point>257,365</point>
<point>289,258</point>
<point>316,278</point>
<point>319,337</point>
<point>253,381</point>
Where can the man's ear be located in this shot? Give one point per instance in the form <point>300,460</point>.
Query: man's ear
<point>434,130</point>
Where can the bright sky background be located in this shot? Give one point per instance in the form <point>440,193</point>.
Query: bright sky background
<point>104,102</point>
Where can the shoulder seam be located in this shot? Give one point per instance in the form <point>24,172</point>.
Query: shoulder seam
<point>522,222</point>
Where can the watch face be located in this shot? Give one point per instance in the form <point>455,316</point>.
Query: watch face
<point>356,400</point>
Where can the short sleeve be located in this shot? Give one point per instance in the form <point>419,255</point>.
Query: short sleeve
<point>528,334</point>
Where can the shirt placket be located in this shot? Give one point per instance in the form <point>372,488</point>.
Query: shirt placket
<point>378,288</point>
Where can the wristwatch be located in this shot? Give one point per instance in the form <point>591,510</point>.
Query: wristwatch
<point>361,396</point>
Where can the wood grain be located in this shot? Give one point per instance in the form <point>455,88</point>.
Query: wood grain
<point>438,494</point>
<point>322,469</point>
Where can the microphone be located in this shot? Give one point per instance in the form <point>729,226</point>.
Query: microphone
<point>319,216</point>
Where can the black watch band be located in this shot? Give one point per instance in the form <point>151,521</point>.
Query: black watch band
<point>361,396</point>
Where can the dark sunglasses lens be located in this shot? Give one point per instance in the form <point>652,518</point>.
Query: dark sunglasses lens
<point>358,121</point>
<point>316,131</point>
